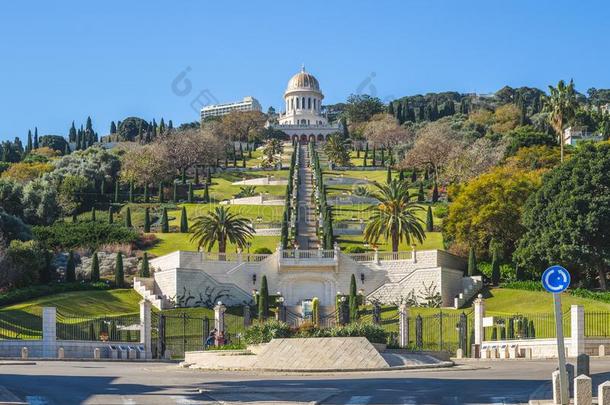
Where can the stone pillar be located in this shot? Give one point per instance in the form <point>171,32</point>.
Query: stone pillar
<point>479,313</point>
<point>247,317</point>
<point>281,312</point>
<point>376,256</point>
<point>577,321</point>
<point>219,317</point>
<point>49,332</point>
<point>583,390</point>
<point>60,353</point>
<point>603,393</point>
<point>403,325</point>
<point>601,351</point>
<point>146,327</point>
<point>414,258</point>
<point>556,387</point>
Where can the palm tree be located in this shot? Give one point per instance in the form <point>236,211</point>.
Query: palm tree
<point>337,150</point>
<point>561,105</point>
<point>218,226</point>
<point>395,217</point>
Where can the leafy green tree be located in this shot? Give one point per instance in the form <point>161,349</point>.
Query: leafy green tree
<point>70,268</point>
<point>144,267</point>
<point>395,217</point>
<point>95,268</point>
<point>128,217</point>
<point>218,226</point>
<point>164,221</point>
<point>567,220</point>
<point>263,300</point>
<point>119,276</point>
<point>147,220</point>
<point>337,150</point>
<point>361,107</point>
<point>353,299</point>
<point>429,220</point>
<point>184,223</point>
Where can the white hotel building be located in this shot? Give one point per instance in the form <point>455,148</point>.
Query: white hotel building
<point>215,110</point>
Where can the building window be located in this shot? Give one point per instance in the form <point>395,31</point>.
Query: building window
<point>309,103</point>
<point>314,103</point>
<point>298,104</point>
<point>303,102</point>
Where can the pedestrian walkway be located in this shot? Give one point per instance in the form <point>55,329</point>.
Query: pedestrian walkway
<point>307,237</point>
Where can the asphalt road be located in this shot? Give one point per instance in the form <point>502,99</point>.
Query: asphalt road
<point>60,382</point>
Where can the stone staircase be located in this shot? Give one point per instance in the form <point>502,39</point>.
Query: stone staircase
<point>471,285</point>
<point>145,286</point>
<point>307,237</point>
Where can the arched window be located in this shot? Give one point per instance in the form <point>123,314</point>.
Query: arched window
<point>298,104</point>
<point>314,103</point>
<point>292,103</point>
<point>309,103</point>
<point>303,103</point>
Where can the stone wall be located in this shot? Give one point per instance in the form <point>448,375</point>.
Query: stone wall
<point>107,263</point>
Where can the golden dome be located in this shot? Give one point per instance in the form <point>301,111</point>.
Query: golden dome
<point>303,80</point>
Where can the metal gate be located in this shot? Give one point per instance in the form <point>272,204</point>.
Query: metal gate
<point>176,333</point>
<point>441,331</point>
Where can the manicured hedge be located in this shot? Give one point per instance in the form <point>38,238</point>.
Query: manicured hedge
<point>90,234</point>
<point>17,295</point>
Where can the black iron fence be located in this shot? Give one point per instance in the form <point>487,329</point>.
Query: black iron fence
<point>525,326</point>
<point>121,328</point>
<point>21,324</point>
<point>175,333</point>
<point>597,324</point>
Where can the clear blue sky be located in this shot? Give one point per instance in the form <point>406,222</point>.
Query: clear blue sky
<point>62,61</point>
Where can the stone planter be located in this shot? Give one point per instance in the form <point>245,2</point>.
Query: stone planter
<point>256,349</point>
<point>380,347</point>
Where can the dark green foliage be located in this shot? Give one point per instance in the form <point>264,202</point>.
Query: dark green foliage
<point>119,276</point>
<point>263,332</point>
<point>70,268</point>
<point>413,176</point>
<point>183,176</point>
<point>401,175</point>
<point>196,175</point>
<point>146,197</point>
<point>13,227</point>
<point>93,214</point>
<point>130,128</point>
<point>262,251</point>
<point>95,268</point>
<point>117,187</point>
<point>388,178</point>
<point>175,195</point>
<point>472,263</point>
<point>502,333</point>
<point>435,193</point>
<point>110,215</point>
<point>164,221</point>
<point>131,192</point>
<point>128,217</point>
<point>147,220</point>
<point>531,330</point>
<point>65,235</point>
<point>263,301</point>
<point>184,223</point>
<point>353,299</point>
<point>144,267</point>
<point>206,194</point>
<point>421,196</point>
<point>494,333</point>
<point>55,142</point>
<point>429,220</point>
<point>495,268</point>
<point>161,196</point>
<point>511,329</point>
<point>190,193</point>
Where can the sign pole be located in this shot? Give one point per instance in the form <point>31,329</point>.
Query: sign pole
<point>561,351</point>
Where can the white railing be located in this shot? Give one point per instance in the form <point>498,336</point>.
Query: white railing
<point>362,257</point>
<point>297,254</point>
<point>395,255</point>
<point>233,257</point>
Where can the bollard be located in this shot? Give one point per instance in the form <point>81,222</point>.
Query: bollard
<point>24,353</point>
<point>602,351</point>
<point>132,354</point>
<point>556,387</point>
<point>459,354</point>
<point>582,364</point>
<point>583,390</point>
<point>603,393</point>
<point>60,353</point>
<point>96,353</point>
<point>528,353</point>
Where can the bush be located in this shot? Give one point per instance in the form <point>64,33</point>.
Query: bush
<point>262,251</point>
<point>507,271</point>
<point>374,333</point>
<point>17,295</point>
<point>524,285</point>
<point>64,235</point>
<point>263,332</point>
<point>355,249</point>
<point>27,261</point>
<point>441,210</point>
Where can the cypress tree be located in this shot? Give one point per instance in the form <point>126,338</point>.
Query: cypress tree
<point>472,263</point>
<point>95,268</point>
<point>502,333</point>
<point>110,215</point>
<point>435,193</point>
<point>175,199</point>
<point>183,176</point>
<point>374,163</point>
<point>495,268</point>
<point>196,175</point>
<point>70,268</point>
<point>353,300</point>
<point>206,194</point>
<point>388,178</point>
<point>208,179</point>
<point>67,149</point>
<point>93,214</point>
<point>35,137</point>
<point>243,162</point>
<point>164,221</point>
<point>190,194</point>
<point>146,199</point>
<point>103,187</point>
<point>112,127</point>
<point>413,176</point>
<point>263,301</point>
<point>30,144</point>
<point>184,223</point>
<point>116,191</point>
<point>531,329</point>
<point>382,156</point>
<point>128,217</point>
<point>131,192</point>
<point>421,197</point>
<point>401,175</point>
<point>429,220</point>
<point>144,268</point>
<point>147,220</point>
<point>119,276</point>
<point>74,218</point>
<point>161,197</point>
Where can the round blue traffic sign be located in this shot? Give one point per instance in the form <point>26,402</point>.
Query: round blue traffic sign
<point>555,279</point>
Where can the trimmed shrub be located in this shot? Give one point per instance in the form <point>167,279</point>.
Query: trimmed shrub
<point>65,235</point>
<point>263,302</point>
<point>144,267</point>
<point>164,221</point>
<point>95,268</point>
<point>355,249</point>
<point>70,269</point>
<point>262,251</point>
<point>429,220</point>
<point>147,220</point>
<point>263,332</point>
<point>184,223</point>
<point>119,275</point>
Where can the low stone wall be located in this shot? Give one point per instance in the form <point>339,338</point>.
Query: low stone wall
<point>545,348</point>
<point>73,349</point>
